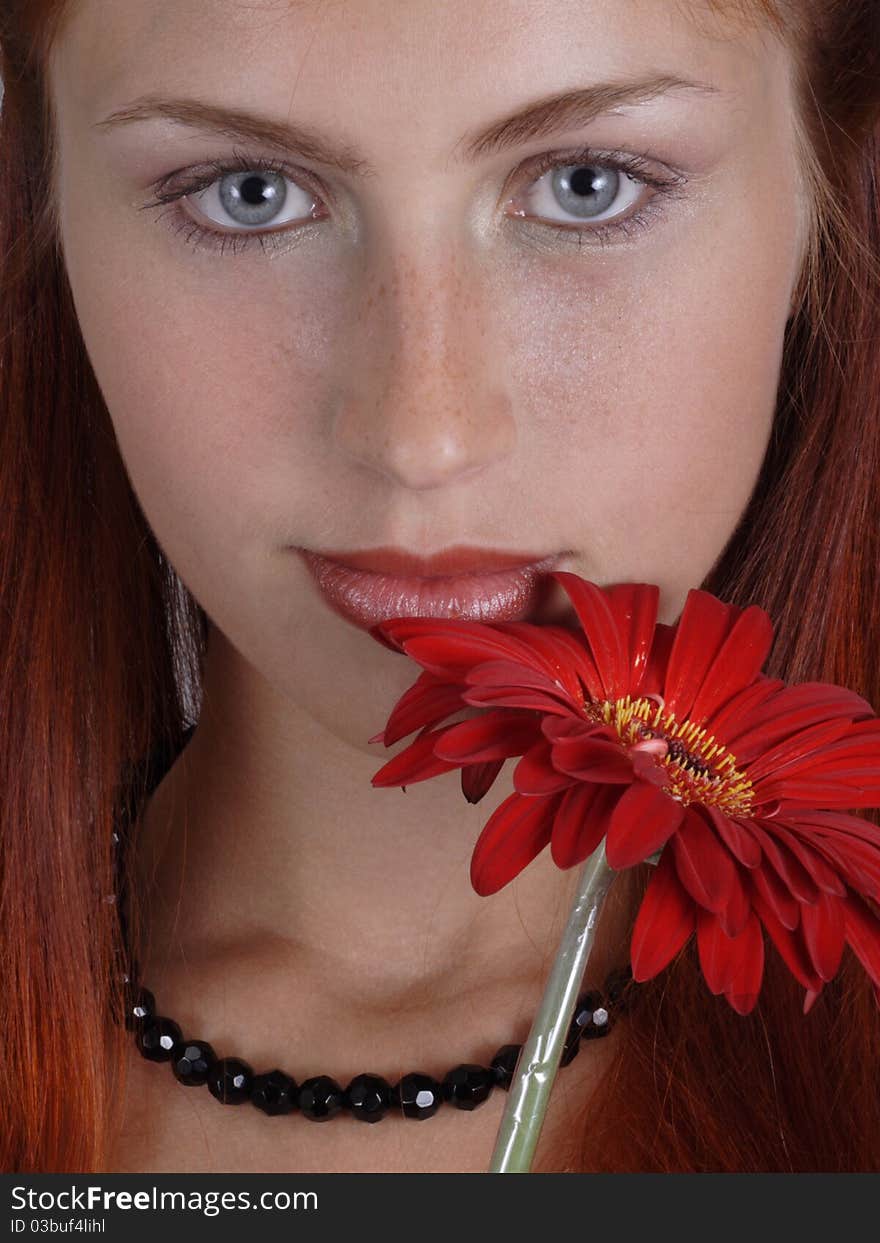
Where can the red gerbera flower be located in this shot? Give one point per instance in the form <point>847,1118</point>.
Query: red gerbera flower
<point>661,738</point>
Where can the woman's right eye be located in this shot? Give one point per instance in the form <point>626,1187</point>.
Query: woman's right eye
<point>253,199</point>
<point>240,200</point>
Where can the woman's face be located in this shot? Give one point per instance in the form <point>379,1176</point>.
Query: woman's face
<point>424,338</point>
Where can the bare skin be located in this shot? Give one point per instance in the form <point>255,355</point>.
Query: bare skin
<point>422,361</point>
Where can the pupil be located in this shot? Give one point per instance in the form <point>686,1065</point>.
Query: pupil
<point>253,190</point>
<point>582,180</point>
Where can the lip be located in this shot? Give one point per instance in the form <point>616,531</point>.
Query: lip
<point>475,584</point>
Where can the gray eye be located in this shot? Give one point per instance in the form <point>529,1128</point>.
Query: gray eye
<point>572,192</point>
<point>252,198</point>
<point>256,197</point>
<point>585,189</point>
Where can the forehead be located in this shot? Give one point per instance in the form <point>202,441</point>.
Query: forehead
<point>414,54</point>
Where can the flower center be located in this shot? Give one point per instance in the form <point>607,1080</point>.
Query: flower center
<point>700,769</point>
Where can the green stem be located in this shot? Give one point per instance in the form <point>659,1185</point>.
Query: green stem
<point>529,1092</point>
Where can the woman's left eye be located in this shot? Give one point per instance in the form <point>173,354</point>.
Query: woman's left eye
<point>246,200</point>
<point>583,194</point>
<point>596,196</point>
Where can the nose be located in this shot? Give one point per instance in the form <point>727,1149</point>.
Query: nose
<point>425,402</point>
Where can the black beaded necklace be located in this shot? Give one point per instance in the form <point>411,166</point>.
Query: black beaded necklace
<point>367,1096</point>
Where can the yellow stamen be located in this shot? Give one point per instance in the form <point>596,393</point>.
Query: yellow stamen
<point>701,769</point>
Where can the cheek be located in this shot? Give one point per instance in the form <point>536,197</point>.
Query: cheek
<point>648,377</point>
<point>212,368</point>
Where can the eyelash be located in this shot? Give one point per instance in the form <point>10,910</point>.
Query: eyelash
<point>638,168</point>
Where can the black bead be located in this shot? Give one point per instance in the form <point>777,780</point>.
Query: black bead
<point>591,1015</point>
<point>504,1062</point>
<point>191,1061</point>
<point>418,1096</point>
<point>468,1085</point>
<point>584,1008</point>
<point>368,1097</point>
<point>274,1092</point>
<point>140,1005</point>
<point>230,1081</point>
<point>320,1098</point>
<point>600,1021</point>
<point>156,1037</point>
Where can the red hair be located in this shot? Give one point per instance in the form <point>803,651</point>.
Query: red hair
<point>101,645</point>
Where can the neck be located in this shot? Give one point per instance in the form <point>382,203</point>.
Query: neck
<point>265,843</point>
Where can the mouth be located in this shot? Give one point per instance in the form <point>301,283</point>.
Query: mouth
<point>367,587</point>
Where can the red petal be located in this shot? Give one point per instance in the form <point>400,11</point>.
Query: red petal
<point>574,644</point>
<point>478,779</point>
<point>732,965</point>
<point>580,822</point>
<point>856,862</point>
<point>809,998</point>
<point>700,632</point>
<point>823,929</point>
<point>795,877</point>
<point>816,792</point>
<point>825,877</point>
<point>778,898</point>
<point>789,944</point>
<point>790,709</point>
<point>736,664</point>
<point>554,727</point>
<point>592,759</point>
<point>738,712</point>
<point>534,774</point>
<point>450,647</point>
<point>834,822</point>
<point>664,922</point>
<point>513,697</point>
<point>552,652</point>
<point>515,833</point>
<point>417,762</point>
<point>845,771</point>
<point>642,821</point>
<point>427,702</point>
<point>746,967</point>
<point>713,951</point>
<point>645,767</point>
<point>655,674</point>
<point>507,673</point>
<point>797,751</point>
<point>494,735</point>
<point>601,629</point>
<point>735,915</point>
<point>383,632</point>
<point>634,609</point>
<point>736,835</point>
<point>704,867</point>
<point>452,643</point>
<point>860,744</point>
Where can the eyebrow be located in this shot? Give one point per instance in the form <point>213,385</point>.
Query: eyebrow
<point>548,115</point>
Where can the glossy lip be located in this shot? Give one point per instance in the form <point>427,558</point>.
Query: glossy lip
<point>370,586</point>
<point>455,560</point>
